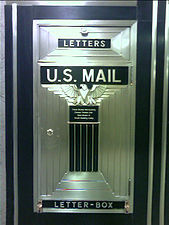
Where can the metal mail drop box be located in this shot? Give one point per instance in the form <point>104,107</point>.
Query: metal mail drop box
<point>84,115</point>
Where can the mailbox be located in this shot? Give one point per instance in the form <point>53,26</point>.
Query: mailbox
<point>84,116</point>
<point>86,129</point>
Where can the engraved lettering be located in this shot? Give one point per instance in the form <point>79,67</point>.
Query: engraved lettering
<point>88,77</point>
<point>110,205</point>
<point>62,205</point>
<point>96,43</point>
<point>65,44</point>
<point>78,43</point>
<point>71,43</point>
<point>102,44</point>
<point>114,76</point>
<point>74,204</point>
<point>79,205</point>
<point>86,205</point>
<point>100,76</point>
<point>49,77</point>
<point>68,204</point>
<point>84,42</point>
<point>104,205</point>
<point>67,72</point>
<point>90,43</point>
<point>109,75</point>
<point>97,205</point>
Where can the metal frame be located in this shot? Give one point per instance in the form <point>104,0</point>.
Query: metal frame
<point>35,105</point>
<point>106,3</point>
<point>108,23</point>
<point>152,113</point>
<point>75,3</point>
<point>97,23</point>
<point>15,114</point>
<point>133,113</point>
<point>164,120</point>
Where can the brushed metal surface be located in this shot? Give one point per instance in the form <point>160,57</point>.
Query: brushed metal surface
<point>114,140</point>
<point>119,37</point>
<point>82,23</point>
<point>54,148</point>
<point>117,121</point>
<point>82,185</point>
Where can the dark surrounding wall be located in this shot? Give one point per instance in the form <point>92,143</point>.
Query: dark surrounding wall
<point>2,117</point>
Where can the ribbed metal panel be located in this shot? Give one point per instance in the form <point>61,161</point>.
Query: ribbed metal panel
<point>83,152</point>
<point>95,150</point>
<point>83,147</point>
<point>89,148</point>
<point>77,147</point>
<point>54,148</point>
<point>115,141</point>
<point>71,147</point>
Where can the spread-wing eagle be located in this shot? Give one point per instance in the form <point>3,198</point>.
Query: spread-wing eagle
<point>83,95</point>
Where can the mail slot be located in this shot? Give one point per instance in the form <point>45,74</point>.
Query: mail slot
<point>84,116</point>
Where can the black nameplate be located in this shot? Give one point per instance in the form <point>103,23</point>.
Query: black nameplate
<point>108,75</point>
<point>83,204</point>
<point>83,113</point>
<point>84,43</point>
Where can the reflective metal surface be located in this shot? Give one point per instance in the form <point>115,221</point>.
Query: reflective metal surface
<point>15,113</point>
<point>83,185</point>
<point>115,148</point>
<point>76,3</point>
<point>152,112</point>
<point>164,122</point>
<point>115,173</point>
<point>119,41</point>
<point>84,23</point>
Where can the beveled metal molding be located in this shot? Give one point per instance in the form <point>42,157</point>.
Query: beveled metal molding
<point>36,163</point>
<point>152,112</point>
<point>164,120</point>
<point>75,3</point>
<point>15,113</point>
<point>72,23</point>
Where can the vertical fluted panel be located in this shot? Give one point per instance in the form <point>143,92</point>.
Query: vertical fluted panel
<point>77,143</point>
<point>115,154</point>
<point>89,149</point>
<point>83,158</point>
<point>95,150</point>
<point>71,147</point>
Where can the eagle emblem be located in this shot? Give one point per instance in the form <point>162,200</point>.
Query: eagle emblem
<point>80,95</point>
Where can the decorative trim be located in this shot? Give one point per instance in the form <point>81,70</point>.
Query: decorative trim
<point>152,113</point>
<point>164,119</point>
<point>75,3</point>
<point>15,114</point>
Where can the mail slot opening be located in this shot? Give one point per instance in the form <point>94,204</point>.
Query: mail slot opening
<point>84,91</point>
